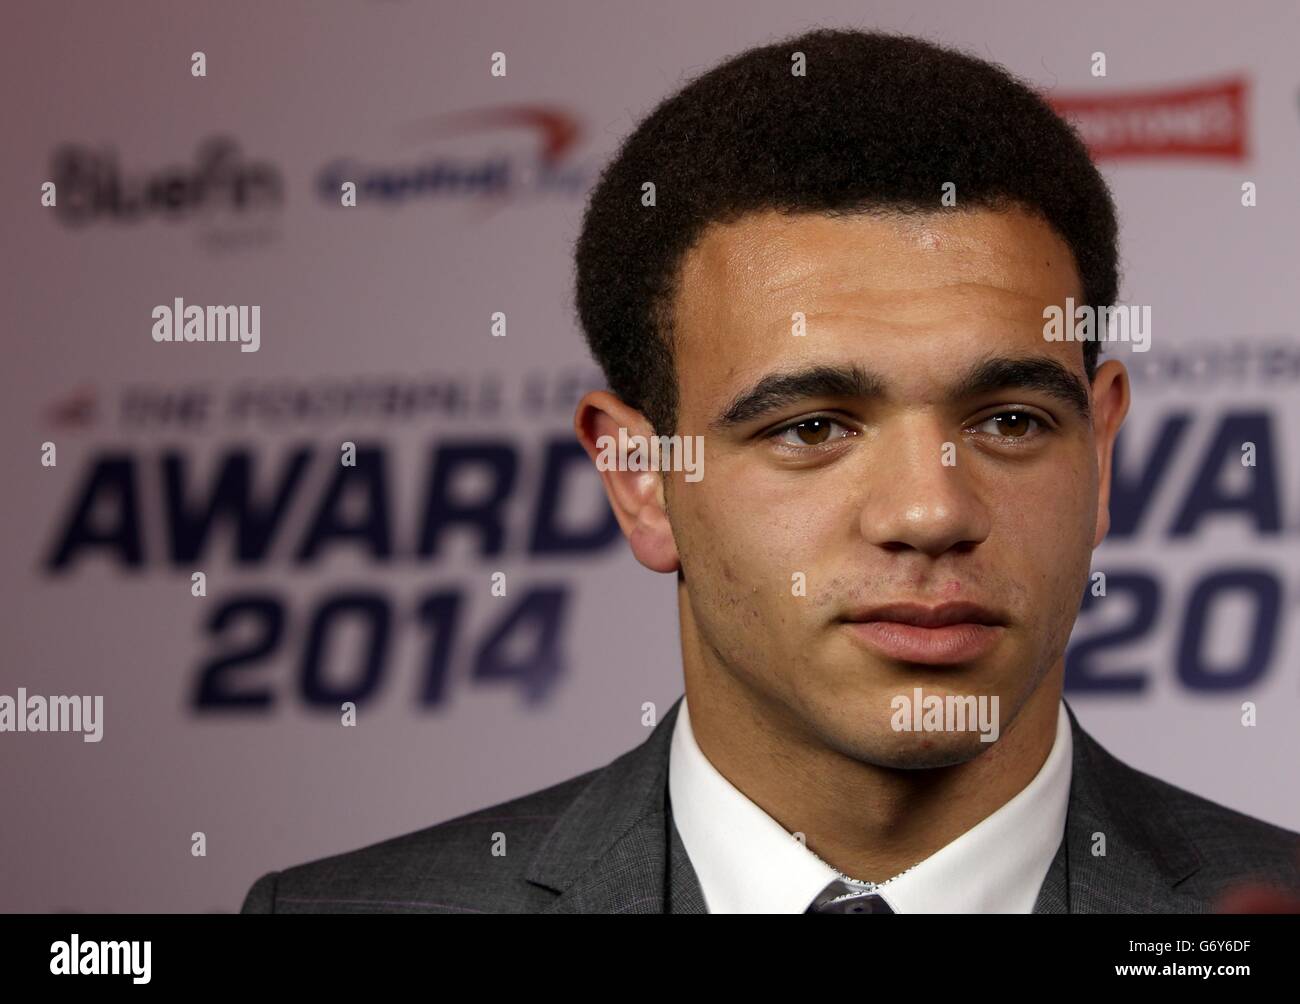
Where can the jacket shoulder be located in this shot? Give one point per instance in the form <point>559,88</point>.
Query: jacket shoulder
<point>1233,847</point>
<point>473,863</point>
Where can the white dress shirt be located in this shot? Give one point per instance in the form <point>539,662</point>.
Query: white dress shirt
<point>747,862</point>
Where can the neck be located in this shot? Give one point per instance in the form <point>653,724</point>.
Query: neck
<point>867,821</point>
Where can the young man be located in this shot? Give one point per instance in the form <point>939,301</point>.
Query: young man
<point>827,264</point>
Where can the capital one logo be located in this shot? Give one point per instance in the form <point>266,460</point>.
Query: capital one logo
<point>485,156</point>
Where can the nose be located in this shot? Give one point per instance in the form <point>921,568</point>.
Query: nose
<point>918,502</point>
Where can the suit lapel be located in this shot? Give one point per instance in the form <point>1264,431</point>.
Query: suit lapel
<point>609,852</point>
<point>615,849</point>
<point>684,892</point>
<point>1054,894</point>
<point>1146,853</point>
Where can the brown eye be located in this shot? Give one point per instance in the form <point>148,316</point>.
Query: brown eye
<point>811,432</point>
<point>1009,425</point>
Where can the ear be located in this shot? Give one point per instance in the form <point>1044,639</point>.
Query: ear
<point>637,497</point>
<point>1110,400</point>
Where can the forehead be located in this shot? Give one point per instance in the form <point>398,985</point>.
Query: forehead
<point>910,293</point>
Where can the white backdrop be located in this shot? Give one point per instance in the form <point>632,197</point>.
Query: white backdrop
<point>375,330</point>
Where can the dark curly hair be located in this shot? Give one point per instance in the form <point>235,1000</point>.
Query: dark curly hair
<point>879,122</point>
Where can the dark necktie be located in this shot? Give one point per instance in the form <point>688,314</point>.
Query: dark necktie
<point>840,897</point>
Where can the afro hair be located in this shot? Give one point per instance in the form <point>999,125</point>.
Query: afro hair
<point>879,122</point>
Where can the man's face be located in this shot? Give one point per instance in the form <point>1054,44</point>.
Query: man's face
<point>958,465</point>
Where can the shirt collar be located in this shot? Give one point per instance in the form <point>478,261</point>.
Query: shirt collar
<point>746,862</point>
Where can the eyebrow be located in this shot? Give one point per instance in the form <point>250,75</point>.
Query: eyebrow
<point>779,390</point>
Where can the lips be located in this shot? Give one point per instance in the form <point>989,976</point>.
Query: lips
<point>945,635</point>
<point>919,615</point>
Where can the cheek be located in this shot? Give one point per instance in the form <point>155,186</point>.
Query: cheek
<point>1045,523</point>
<point>709,541</point>
<point>1049,501</point>
<point>748,539</point>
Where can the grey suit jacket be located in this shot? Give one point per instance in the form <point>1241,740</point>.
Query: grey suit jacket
<point>604,842</point>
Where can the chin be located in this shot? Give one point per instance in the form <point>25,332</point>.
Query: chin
<point>877,743</point>
<point>945,751</point>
